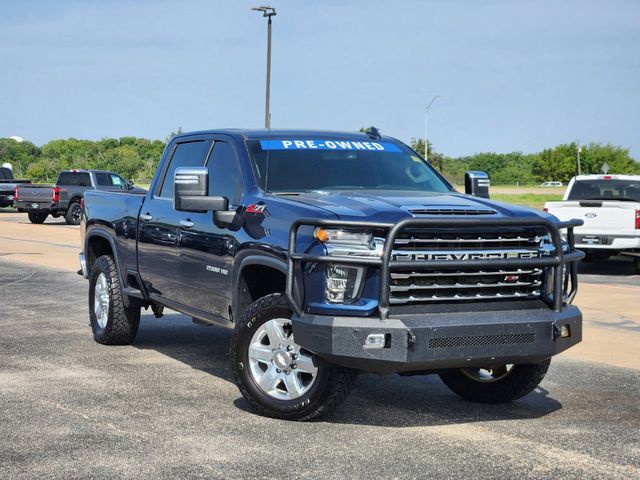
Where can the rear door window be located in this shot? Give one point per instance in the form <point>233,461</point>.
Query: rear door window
<point>186,154</point>
<point>103,180</point>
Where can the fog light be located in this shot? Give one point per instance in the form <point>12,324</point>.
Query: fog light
<point>375,340</point>
<point>343,283</point>
<point>565,331</point>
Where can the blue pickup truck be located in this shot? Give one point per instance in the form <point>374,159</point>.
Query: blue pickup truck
<point>330,254</point>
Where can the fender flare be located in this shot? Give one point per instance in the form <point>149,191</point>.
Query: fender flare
<point>99,232</point>
<point>248,258</point>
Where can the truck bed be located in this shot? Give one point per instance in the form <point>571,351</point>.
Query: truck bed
<point>117,211</point>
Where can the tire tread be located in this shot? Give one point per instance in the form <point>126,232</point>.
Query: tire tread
<point>124,321</point>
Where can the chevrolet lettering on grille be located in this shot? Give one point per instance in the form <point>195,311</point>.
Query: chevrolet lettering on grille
<point>445,256</point>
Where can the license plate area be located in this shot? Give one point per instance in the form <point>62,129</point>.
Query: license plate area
<point>35,205</point>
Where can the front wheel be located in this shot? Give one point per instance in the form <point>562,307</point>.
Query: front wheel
<point>74,214</point>
<point>277,376</point>
<point>495,384</point>
<point>37,217</point>
<point>112,322</point>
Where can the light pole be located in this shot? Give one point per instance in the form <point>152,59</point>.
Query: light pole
<point>578,152</point>
<point>267,12</point>
<point>426,126</point>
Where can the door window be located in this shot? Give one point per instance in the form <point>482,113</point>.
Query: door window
<point>225,177</point>
<point>188,154</point>
<point>117,181</point>
<point>102,179</point>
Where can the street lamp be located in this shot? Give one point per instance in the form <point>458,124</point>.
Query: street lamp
<point>267,12</point>
<point>426,125</point>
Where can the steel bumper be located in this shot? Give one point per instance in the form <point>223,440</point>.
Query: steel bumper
<point>440,340</point>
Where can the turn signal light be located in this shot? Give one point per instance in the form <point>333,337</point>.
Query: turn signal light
<point>637,219</point>
<point>15,196</point>
<point>55,196</point>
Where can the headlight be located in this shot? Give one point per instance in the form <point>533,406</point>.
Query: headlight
<point>339,236</point>
<point>343,283</point>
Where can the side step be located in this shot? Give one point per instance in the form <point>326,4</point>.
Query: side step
<point>133,292</point>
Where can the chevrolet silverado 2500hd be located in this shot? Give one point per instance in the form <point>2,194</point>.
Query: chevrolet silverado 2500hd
<point>330,254</point>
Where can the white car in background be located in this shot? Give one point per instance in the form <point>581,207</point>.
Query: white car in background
<point>610,208</point>
<point>551,184</point>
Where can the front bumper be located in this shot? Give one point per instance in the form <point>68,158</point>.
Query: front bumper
<point>440,340</point>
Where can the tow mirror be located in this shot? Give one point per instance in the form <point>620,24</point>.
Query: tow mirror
<point>190,191</point>
<point>477,184</point>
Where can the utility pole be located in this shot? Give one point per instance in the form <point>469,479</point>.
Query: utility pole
<point>426,127</point>
<point>578,152</point>
<point>267,12</point>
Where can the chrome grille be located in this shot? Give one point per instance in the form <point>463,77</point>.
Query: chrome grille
<point>458,285</point>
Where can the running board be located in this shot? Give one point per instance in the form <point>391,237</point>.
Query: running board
<point>133,293</point>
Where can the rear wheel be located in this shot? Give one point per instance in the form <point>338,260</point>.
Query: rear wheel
<point>112,322</point>
<point>495,384</point>
<point>278,377</point>
<point>37,217</point>
<point>74,214</point>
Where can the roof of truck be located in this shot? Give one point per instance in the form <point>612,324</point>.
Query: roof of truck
<point>248,134</point>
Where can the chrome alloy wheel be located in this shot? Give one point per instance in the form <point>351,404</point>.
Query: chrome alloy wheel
<point>280,368</point>
<point>488,374</point>
<point>101,300</point>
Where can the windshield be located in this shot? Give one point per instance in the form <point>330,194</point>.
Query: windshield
<point>625,190</point>
<point>302,165</point>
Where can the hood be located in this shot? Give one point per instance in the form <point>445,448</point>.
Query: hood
<point>392,206</point>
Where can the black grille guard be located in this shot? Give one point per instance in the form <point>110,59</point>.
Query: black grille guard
<point>557,261</point>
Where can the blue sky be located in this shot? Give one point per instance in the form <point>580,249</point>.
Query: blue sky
<point>511,75</point>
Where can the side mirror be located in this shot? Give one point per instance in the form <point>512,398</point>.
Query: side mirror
<point>130,184</point>
<point>190,191</point>
<point>476,184</point>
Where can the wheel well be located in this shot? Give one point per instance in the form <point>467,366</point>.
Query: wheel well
<point>75,199</point>
<point>256,281</point>
<point>97,246</point>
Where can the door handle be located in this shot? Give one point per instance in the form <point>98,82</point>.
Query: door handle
<point>186,224</point>
<point>145,217</point>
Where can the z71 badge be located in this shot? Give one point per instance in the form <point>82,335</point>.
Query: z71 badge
<point>256,208</point>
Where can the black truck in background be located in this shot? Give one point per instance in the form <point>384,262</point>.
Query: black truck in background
<point>65,197</point>
<point>8,186</point>
<point>330,254</point>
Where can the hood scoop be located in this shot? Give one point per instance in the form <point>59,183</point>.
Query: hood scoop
<point>452,211</point>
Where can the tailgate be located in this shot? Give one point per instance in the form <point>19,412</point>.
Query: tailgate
<point>600,217</point>
<point>35,193</point>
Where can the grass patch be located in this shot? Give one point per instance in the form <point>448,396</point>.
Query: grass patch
<point>533,200</point>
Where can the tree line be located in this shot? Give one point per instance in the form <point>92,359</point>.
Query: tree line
<point>551,164</point>
<point>137,159</point>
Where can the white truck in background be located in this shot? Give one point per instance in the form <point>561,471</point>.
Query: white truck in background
<point>610,208</point>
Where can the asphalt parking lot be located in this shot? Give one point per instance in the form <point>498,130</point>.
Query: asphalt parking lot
<point>166,407</point>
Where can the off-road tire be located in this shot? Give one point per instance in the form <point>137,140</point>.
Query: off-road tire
<point>74,214</point>
<point>37,217</point>
<point>520,381</point>
<point>331,386</point>
<point>122,323</point>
